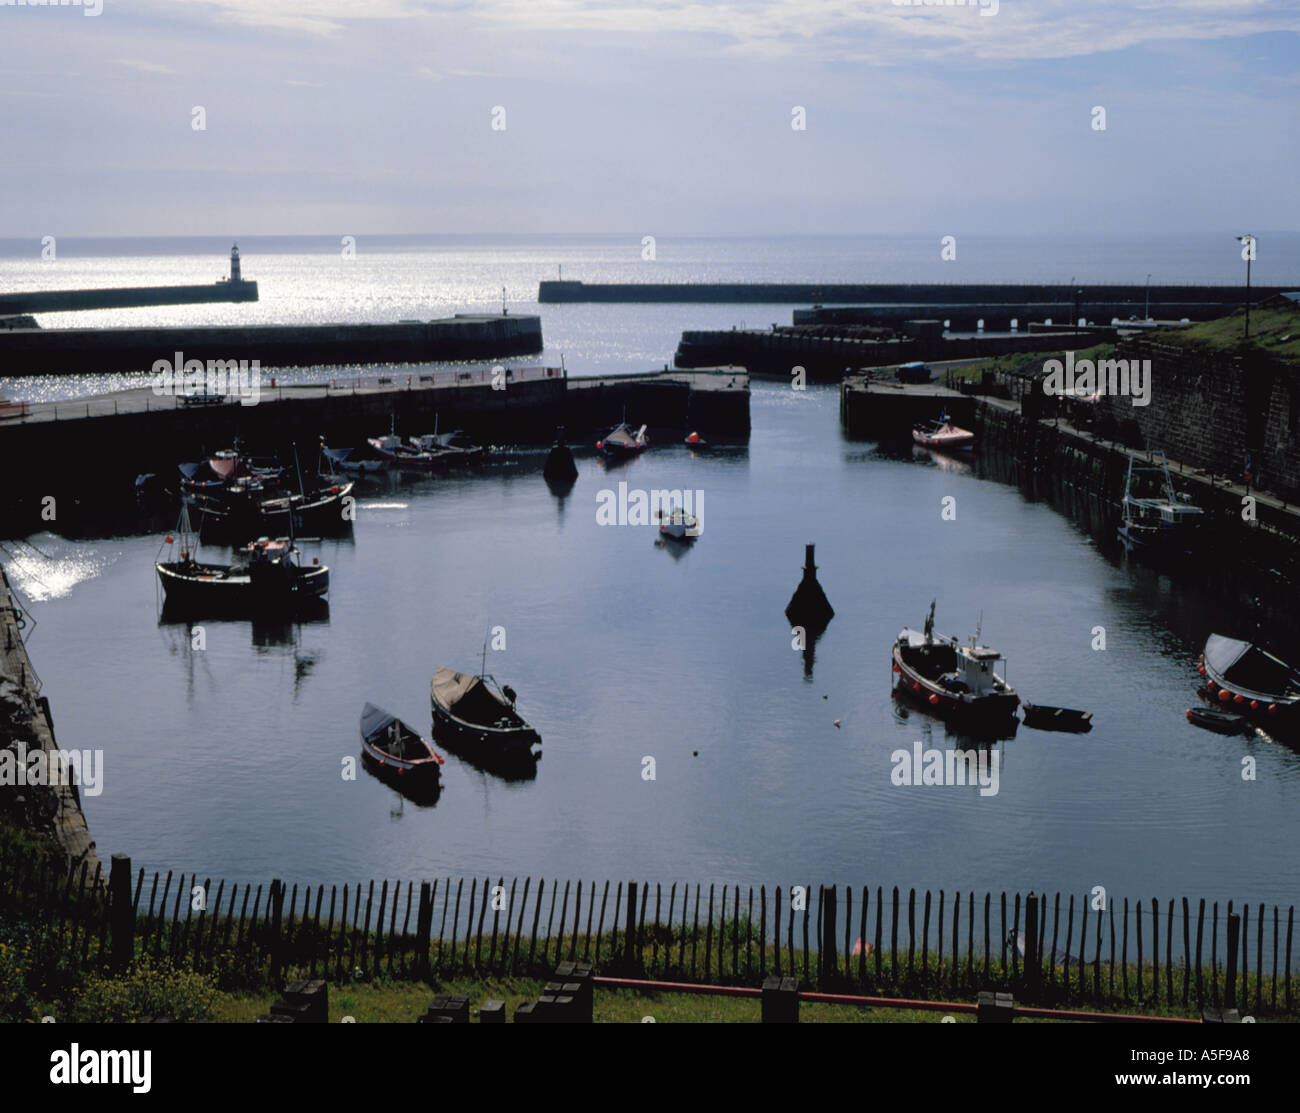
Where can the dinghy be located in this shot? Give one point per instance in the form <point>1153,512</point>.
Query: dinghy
<point>1042,717</point>
<point>395,752</point>
<point>944,435</point>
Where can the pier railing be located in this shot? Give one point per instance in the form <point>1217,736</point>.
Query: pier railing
<point>1171,955</point>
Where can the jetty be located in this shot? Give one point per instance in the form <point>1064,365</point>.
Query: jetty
<point>827,352</point>
<point>1199,302</point>
<point>134,432</point>
<point>27,727</point>
<point>233,289</point>
<point>37,351</point>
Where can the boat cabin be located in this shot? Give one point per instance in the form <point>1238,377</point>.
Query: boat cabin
<point>959,669</point>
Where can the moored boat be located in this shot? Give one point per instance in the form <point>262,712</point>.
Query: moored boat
<point>1155,517</point>
<point>475,716</point>
<point>944,435</point>
<point>456,447</point>
<point>677,524</point>
<point>395,752</point>
<point>1222,722</point>
<point>1041,717</point>
<point>621,443</point>
<point>400,454</point>
<point>1249,680</point>
<point>362,459</point>
<point>265,577</point>
<point>950,679</point>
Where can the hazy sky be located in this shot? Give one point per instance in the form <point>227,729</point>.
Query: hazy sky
<point>334,116</point>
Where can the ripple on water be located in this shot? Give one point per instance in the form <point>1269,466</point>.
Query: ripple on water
<point>43,572</point>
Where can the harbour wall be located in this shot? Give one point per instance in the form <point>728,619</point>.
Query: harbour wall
<point>91,451</point>
<point>1257,558</point>
<point>827,352</point>
<point>967,317</point>
<point>77,351</point>
<point>1207,302</point>
<point>51,810</point>
<point>125,297</point>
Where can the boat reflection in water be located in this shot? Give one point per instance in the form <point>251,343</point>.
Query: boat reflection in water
<point>953,465</point>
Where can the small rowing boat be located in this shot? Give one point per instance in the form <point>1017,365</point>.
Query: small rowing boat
<point>1041,717</point>
<point>397,753</point>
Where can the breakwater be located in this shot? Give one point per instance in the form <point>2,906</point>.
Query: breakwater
<point>462,337</point>
<point>28,729</point>
<point>827,352</point>
<point>1206,302</point>
<point>125,297</point>
<point>136,432</point>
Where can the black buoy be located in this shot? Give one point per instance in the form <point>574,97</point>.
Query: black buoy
<point>809,606</point>
<point>560,467</point>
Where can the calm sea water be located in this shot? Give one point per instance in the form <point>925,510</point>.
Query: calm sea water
<point>227,760</point>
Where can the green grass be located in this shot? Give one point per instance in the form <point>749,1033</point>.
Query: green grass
<point>402,1003</point>
<point>1020,361</point>
<point>1275,331</point>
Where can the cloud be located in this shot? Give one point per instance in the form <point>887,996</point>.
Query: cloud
<point>143,66</point>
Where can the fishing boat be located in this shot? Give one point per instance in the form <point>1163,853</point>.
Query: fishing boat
<point>677,524</point>
<point>943,434</point>
<point>395,752</point>
<point>1222,722</point>
<point>1155,518</point>
<point>1041,717</point>
<point>264,577</point>
<point>621,443</point>
<point>456,447</point>
<point>1249,680</point>
<point>951,679</point>
<point>401,454</point>
<point>361,460</point>
<point>475,716</point>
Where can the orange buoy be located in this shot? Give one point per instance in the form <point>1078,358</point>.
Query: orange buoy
<point>1224,695</point>
<point>1211,685</point>
<point>934,699</point>
<point>1189,714</point>
<point>1254,705</point>
<point>897,669</point>
<point>1200,669</point>
<point>1238,698</point>
<point>1272,709</point>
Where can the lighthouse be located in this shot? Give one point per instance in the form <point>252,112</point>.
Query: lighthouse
<point>235,279</point>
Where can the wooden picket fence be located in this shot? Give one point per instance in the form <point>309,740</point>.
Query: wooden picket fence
<point>884,943</point>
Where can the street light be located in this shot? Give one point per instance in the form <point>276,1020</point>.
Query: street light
<point>1146,313</point>
<point>1248,253</point>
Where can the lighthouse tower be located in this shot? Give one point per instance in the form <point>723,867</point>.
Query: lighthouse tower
<point>235,278</point>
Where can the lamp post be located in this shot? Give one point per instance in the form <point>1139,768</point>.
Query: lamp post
<point>1146,313</point>
<point>1248,253</point>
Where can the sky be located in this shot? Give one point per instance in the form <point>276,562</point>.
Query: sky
<point>673,116</point>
